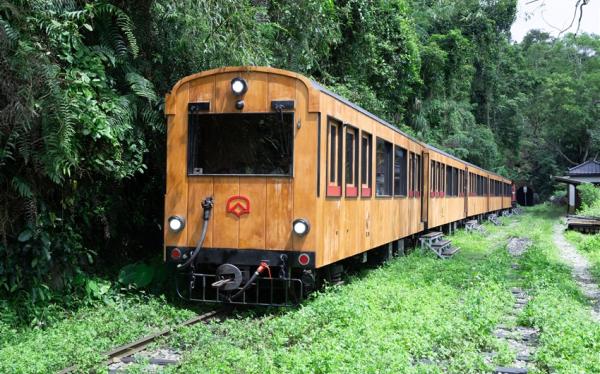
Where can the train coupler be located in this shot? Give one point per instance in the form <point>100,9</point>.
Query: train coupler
<point>224,288</point>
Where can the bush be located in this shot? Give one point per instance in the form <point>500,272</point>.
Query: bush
<point>590,195</point>
<point>590,243</point>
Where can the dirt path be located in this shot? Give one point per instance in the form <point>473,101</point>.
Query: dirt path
<point>580,268</point>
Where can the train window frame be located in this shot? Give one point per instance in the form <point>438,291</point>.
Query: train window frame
<point>440,176</point>
<point>403,177</point>
<point>432,178</point>
<point>455,181</point>
<point>448,180</point>
<point>366,165</point>
<point>334,157</point>
<point>411,174</point>
<point>419,172</point>
<point>388,166</point>
<point>193,121</point>
<point>351,188</point>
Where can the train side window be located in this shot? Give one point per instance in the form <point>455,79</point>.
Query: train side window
<point>400,174</point>
<point>470,184</point>
<point>411,174</point>
<point>334,153</point>
<point>419,172</point>
<point>432,179</point>
<point>366,169</point>
<point>383,169</point>
<point>448,180</point>
<point>454,182</point>
<point>442,180</point>
<point>480,185</point>
<point>351,162</point>
<point>439,179</point>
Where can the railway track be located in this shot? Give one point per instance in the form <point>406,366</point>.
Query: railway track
<point>125,352</point>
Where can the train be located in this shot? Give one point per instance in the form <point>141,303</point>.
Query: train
<point>274,182</point>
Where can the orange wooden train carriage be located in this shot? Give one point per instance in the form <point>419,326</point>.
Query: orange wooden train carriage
<point>273,179</point>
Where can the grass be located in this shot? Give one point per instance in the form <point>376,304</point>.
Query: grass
<point>81,338</point>
<point>569,340</point>
<point>416,314</point>
<point>589,246</point>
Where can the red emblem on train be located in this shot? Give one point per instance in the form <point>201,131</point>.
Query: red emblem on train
<point>238,205</point>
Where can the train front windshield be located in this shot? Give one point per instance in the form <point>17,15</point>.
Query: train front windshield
<point>241,144</point>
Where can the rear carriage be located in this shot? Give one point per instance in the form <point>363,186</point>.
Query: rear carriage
<point>272,179</point>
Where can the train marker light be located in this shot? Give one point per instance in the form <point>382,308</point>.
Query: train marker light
<point>176,254</point>
<point>301,226</point>
<point>303,259</point>
<point>176,223</point>
<point>239,86</point>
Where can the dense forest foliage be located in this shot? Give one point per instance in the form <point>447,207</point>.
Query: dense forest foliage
<point>82,137</point>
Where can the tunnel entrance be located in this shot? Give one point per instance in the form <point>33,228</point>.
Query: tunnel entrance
<point>525,196</point>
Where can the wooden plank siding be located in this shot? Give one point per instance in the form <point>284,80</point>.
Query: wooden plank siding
<point>275,201</point>
<point>445,209</point>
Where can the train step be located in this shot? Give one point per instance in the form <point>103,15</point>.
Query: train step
<point>493,218</point>
<point>436,242</point>
<point>441,244</point>
<point>473,225</point>
<point>450,251</point>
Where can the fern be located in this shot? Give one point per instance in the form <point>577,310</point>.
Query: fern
<point>22,188</point>
<point>124,23</point>
<point>141,86</point>
<point>8,35</point>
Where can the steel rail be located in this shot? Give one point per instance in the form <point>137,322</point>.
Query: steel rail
<point>126,350</point>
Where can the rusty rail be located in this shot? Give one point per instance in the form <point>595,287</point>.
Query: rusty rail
<point>126,350</point>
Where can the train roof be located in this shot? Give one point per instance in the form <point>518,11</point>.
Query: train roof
<point>328,92</point>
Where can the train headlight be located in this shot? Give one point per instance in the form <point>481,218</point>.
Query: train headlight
<point>176,223</point>
<point>239,86</point>
<point>301,226</point>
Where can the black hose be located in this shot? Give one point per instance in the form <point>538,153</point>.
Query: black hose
<point>248,284</point>
<point>207,205</point>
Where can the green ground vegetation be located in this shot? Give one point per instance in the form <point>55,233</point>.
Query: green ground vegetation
<point>417,314</point>
<point>569,337</point>
<point>590,200</point>
<point>414,314</point>
<point>81,337</point>
<point>588,245</point>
